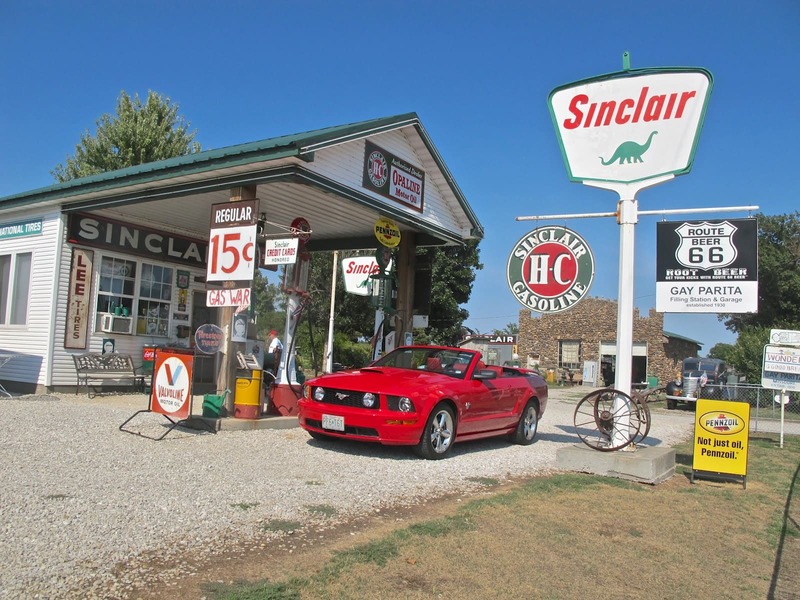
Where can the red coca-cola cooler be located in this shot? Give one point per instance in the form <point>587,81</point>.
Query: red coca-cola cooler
<point>148,360</point>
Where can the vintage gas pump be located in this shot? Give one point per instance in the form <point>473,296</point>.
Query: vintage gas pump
<point>384,293</point>
<point>285,392</point>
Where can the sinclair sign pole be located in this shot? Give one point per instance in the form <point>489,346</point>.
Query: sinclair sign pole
<point>625,132</point>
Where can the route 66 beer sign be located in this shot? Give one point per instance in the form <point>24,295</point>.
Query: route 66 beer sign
<point>550,269</point>
<point>707,266</point>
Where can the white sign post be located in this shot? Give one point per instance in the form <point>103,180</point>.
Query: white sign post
<point>781,371</point>
<point>625,132</point>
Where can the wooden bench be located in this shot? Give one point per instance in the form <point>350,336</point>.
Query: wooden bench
<point>95,369</point>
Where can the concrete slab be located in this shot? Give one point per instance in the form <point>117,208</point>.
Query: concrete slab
<point>645,464</point>
<point>234,424</point>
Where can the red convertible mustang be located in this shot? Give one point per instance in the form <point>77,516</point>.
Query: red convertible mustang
<point>427,397</point>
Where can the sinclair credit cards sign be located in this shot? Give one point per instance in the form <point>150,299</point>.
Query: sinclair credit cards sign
<point>707,266</point>
<point>632,125</point>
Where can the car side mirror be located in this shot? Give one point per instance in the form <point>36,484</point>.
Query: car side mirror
<point>485,374</point>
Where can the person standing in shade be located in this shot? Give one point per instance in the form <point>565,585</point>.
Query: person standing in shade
<point>272,358</point>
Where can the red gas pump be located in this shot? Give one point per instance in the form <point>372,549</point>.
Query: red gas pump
<point>286,390</point>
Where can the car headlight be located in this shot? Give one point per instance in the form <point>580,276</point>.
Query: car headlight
<point>401,404</point>
<point>369,399</point>
<point>319,394</point>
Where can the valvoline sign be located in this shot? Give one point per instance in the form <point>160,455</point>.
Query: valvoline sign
<point>632,125</point>
<point>171,393</point>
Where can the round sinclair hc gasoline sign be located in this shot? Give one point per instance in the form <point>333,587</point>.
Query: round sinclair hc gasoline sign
<point>550,269</point>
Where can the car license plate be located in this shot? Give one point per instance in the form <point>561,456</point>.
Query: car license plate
<point>333,422</point>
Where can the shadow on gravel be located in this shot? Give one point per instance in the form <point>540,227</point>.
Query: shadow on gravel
<point>374,450</point>
<point>560,438</point>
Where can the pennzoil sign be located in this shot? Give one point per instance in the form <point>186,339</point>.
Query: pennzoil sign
<point>721,436</point>
<point>550,269</point>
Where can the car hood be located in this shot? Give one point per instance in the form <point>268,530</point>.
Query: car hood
<point>382,379</point>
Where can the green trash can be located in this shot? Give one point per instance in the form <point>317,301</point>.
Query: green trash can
<point>213,405</point>
<point>652,381</point>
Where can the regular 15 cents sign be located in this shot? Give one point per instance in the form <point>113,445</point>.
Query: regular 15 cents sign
<point>707,266</point>
<point>232,241</point>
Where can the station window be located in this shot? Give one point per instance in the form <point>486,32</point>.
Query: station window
<point>15,287</point>
<point>569,354</point>
<point>134,297</point>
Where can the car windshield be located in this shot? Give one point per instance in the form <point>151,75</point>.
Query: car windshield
<point>439,360</point>
<point>691,364</point>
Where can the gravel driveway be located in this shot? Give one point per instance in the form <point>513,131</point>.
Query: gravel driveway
<point>80,498</point>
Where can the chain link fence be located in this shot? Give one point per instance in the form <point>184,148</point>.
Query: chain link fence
<point>765,405</point>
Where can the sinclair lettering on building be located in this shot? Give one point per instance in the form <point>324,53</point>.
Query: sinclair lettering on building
<point>632,125</point>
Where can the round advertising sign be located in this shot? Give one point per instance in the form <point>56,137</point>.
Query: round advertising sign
<point>301,228</point>
<point>171,385</point>
<point>387,232</point>
<point>550,269</point>
<point>209,338</point>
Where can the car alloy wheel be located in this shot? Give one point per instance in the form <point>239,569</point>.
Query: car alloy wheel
<point>439,433</point>
<point>527,426</point>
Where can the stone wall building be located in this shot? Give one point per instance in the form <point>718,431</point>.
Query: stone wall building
<point>582,342</point>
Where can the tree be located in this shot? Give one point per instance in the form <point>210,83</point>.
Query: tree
<point>721,351</point>
<point>746,355</point>
<point>137,134</point>
<point>453,271</point>
<point>778,276</point>
<point>265,305</point>
<point>452,275</point>
<point>778,295</point>
<point>509,329</point>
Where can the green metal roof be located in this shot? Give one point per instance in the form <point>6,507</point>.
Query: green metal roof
<point>296,145</point>
<point>680,337</point>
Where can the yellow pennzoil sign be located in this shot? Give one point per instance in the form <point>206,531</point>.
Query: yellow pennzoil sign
<point>721,432</point>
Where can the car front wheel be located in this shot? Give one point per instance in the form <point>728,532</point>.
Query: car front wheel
<point>528,425</point>
<point>439,433</point>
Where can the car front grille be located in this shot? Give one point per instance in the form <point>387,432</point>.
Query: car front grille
<point>362,431</point>
<point>347,398</point>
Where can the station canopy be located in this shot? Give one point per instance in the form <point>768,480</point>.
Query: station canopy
<point>318,175</point>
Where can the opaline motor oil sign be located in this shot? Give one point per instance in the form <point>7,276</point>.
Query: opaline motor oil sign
<point>721,433</point>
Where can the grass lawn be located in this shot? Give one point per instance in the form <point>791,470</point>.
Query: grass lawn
<point>568,536</point>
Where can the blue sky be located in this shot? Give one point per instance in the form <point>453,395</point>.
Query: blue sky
<point>477,73</point>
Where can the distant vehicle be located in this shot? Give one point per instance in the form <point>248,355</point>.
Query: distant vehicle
<point>700,378</point>
<point>428,397</point>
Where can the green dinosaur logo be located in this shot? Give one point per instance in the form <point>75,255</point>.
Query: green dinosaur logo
<point>629,152</point>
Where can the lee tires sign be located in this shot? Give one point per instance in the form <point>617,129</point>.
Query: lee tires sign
<point>632,125</point>
<point>550,269</point>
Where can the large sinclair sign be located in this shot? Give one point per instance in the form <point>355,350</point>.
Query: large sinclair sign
<point>632,125</point>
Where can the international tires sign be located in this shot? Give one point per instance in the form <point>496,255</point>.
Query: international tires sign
<point>707,266</point>
<point>550,269</point>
